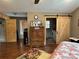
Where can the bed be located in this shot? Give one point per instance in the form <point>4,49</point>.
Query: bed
<point>66,50</point>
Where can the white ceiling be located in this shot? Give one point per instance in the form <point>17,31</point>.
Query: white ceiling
<point>57,6</point>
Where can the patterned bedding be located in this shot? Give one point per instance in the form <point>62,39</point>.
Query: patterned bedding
<point>66,50</point>
<point>35,53</point>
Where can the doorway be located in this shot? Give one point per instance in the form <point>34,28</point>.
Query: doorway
<point>50,30</point>
<point>2,30</point>
<point>22,31</point>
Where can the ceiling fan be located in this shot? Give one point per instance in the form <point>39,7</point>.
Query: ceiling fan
<point>36,1</point>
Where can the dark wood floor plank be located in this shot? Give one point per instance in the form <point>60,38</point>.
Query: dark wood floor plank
<point>13,50</point>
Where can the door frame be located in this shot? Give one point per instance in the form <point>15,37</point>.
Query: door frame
<point>45,26</point>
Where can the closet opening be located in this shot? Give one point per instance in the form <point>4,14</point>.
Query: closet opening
<point>50,30</point>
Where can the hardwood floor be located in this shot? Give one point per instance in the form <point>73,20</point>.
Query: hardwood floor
<point>13,50</point>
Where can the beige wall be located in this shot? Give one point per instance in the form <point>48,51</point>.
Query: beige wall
<point>74,23</point>
<point>24,24</point>
<point>31,15</point>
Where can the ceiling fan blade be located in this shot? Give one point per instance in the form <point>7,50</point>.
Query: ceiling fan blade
<point>36,1</point>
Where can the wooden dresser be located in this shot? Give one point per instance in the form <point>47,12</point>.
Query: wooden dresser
<point>37,36</point>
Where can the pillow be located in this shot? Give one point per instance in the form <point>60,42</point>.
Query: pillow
<point>73,38</point>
